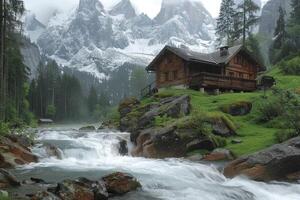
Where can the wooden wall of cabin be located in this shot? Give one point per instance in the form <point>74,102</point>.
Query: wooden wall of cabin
<point>170,71</point>
<point>196,68</point>
<point>242,67</point>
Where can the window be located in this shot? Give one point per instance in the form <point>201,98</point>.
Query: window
<point>166,76</point>
<point>175,75</point>
<point>231,74</point>
<point>241,75</point>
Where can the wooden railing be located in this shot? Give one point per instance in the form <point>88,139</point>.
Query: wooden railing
<point>149,90</point>
<point>208,80</point>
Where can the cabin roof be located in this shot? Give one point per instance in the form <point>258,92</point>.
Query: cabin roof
<point>213,58</point>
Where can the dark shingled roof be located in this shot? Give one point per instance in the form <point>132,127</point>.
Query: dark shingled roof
<point>213,58</point>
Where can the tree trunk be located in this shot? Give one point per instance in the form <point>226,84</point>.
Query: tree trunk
<point>2,109</point>
<point>244,23</point>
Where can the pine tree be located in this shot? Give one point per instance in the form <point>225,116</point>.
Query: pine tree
<point>92,99</point>
<point>295,14</point>
<point>246,18</point>
<point>280,31</point>
<point>225,22</point>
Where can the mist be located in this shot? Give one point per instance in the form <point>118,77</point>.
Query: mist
<point>46,8</point>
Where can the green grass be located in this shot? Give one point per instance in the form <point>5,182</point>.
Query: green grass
<point>255,136</point>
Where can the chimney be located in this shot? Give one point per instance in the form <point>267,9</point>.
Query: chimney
<point>224,51</point>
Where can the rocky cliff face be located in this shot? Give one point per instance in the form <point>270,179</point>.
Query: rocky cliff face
<point>270,15</point>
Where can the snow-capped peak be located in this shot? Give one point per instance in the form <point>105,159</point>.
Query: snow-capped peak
<point>125,8</point>
<point>90,6</point>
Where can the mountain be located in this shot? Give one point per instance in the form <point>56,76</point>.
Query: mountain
<point>33,27</point>
<point>124,8</point>
<point>270,15</point>
<point>99,41</point>
<point>109,44</point>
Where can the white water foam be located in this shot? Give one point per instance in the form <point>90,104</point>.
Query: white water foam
<point>167,179</point>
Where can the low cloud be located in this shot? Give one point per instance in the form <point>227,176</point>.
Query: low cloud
<point>44,9</point>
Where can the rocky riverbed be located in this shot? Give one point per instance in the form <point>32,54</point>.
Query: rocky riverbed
<point>88,162</point>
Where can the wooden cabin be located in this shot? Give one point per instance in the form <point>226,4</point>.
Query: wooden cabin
<point>226,69</point>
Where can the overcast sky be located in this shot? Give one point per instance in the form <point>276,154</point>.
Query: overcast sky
<point>44,8</point>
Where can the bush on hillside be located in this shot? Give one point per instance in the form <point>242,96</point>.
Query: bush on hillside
<point>291,67</point>
<point>284,135</point>
<point>4,128</point>
<point>281,108</point>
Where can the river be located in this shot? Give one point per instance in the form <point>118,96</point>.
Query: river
<point>95,154</point>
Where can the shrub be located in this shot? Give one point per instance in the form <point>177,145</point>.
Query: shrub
<point>4,128</point>
<point>218,141</point>
<point>282,103</point>
<point>284,135</point>
<point>51,111</point>
<point>291,67</point>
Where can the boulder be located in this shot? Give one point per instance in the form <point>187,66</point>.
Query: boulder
<point>81,189</point>
<point>221,128</point>
<point>120,183</point>
<point>43,195</point>
<point>123,148</point>
<point>53,151</point>
<point>7,179</point>
<point>219,155</point>
<point>127,105</point>
<point>22,140</point>
<point>280,162</point>
<point>134,118</point>
<point>238,109</point>
<point>174,107</point>
<point>169,142</point>
<point>159,143</point>
<point>88,128</point>
<point>200,143</point>
<point>12,153</point>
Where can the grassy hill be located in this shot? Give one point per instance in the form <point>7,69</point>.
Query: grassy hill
<point>255,136</point>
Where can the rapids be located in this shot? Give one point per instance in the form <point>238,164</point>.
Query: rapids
<point>95,154</point>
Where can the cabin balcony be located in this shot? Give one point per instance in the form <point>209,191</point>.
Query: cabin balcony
<point>215,81</point>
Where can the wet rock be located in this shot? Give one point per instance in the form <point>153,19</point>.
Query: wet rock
<point>127,105</point>
<point>81,189</point>
<point>160,143</point>
<point>7,179</point>
<point>280,162</point>
<point>219,155</point>
<point>169,142</point>
<point>12,154</point>
<point>53,151</point>
<point>20,139</point>
<point>43,195</point>
<point>87,128</point>
<point>238,108</point>
<point>123,148</point>
<point>38,180</point>
<point>200,143</point>
<point>120,183</point>
<point>195,158</point>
